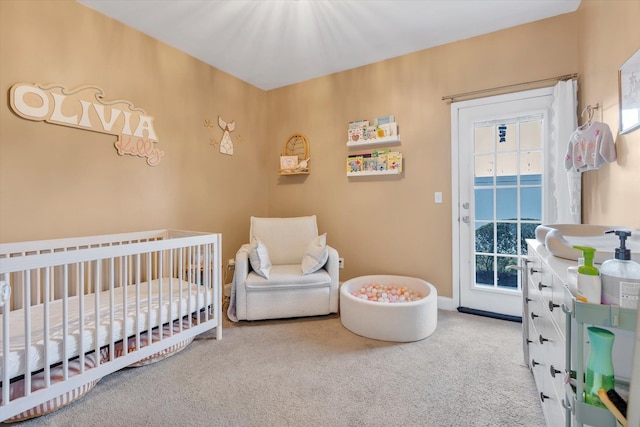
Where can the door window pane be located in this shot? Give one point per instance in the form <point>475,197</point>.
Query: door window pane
<point>531,179</point>
<point>531,203</point>
<point>507,203</point>
<point>507,180</point>
<point>484,204</point>
<point>507,164</point>
<point>483,139</point>
<point>484,237</point>
<point>531,162</point>
<point>531,135</point>
<point>507,137</point>
<point>507,238</point>
<point>484,166</point>
<point>484,270</point>
<point>507,278</point>
<point>527,231</point>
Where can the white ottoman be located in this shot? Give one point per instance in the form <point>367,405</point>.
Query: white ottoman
<point>399,322</point>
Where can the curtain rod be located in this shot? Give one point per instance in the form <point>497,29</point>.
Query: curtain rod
<point>477,92</point>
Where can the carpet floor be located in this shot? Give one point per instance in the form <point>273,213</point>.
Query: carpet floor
<point>314,372</point>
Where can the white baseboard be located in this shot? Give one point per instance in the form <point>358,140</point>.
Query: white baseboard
<point>446,303</point>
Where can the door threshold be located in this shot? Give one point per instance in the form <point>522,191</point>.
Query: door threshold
<point>491,314</point>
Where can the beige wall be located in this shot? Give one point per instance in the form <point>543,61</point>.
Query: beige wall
<point>609,34</point>
<point>57,181</point>
<point>391,224</point>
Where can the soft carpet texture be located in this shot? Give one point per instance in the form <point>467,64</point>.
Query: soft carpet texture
<point>314,372</point>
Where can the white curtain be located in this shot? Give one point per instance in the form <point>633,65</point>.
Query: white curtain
<point>563,207</point>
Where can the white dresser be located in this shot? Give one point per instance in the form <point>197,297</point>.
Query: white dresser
<point>544,325</point>
<point>554,327</point>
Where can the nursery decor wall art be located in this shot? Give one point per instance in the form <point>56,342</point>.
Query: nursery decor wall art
<point>85,108</point>
<point>226,143</point>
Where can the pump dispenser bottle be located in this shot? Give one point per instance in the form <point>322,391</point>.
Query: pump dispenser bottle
<point>621,276</point>
<point>589,285</point>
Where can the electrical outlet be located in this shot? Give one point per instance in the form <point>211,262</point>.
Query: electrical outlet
<point>341,262</point>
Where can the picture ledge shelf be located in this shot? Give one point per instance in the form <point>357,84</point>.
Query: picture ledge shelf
<point>378,141</point>
<point>371,173</point>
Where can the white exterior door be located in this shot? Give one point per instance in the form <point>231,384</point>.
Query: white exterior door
<point>499,191</point>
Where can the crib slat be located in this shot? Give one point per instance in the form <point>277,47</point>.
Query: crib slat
<point>65,322</point>
<point>125,309</point>
<point>137,316</point>
<point>96,330</point>
<point>26,280</point>
<point>5,346</point>
<point>81,313</point>
<point>160,290</point>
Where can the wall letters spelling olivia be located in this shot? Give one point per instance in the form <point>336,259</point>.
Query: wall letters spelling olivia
<point>85,108</point>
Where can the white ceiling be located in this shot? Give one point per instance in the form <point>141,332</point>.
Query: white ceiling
<point>274,43</point>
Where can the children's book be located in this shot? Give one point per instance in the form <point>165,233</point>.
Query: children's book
<point>384,120</point>
<point>394,161</point>
<point>354,163</point>
<point>370,164</point>
<point>358,124</point>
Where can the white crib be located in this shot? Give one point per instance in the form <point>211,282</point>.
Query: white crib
<point>75,310</point>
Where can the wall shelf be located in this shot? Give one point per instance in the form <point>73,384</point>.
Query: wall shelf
<point>371,173</point>
<point>388,140</point>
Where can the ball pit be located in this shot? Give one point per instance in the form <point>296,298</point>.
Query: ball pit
<point>365,311</point>
<point>386,293</point>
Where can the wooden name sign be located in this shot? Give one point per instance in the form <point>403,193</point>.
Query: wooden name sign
<point>85,108</point>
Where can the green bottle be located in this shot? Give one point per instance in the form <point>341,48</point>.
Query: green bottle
<point>599,365</point>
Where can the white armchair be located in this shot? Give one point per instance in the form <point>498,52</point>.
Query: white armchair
<point>275,275</point>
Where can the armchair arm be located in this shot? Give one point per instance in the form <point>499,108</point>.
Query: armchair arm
<point>242,269</point>
<point>333,268</point>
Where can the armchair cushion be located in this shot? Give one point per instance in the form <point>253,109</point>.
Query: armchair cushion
<point>285,238</point>
<point>316,255</point>
<point>259,258</point>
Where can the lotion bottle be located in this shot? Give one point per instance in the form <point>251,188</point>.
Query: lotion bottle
<point>589,284</point>
<point>621,276</point>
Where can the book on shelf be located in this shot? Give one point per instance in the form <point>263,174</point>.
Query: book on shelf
<point>369,164</point>
<point>384,120</point>
<point>387,130</point>
<point>369,132</point>
<point>394,161</point>
<point>358,124</point>
<point>381,158</point>
<point>354,163</point>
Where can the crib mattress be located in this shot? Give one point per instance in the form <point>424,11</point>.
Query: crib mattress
<point>156,307</point>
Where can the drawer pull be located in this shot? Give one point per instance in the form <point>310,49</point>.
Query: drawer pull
<point>542,339</point>
<point>534,270</point>
<point>530,341</point>
<point>543,396</point>
<point>542,285</point>
<point>534,363</point>
<point>527,300</point>
<point>552,305</point>
<point>554,371</point>
<point>533,315</point>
